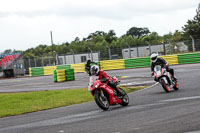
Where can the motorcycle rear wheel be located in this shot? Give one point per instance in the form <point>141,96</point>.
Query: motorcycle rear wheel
<point>176,86</point>
<point>102,102</point>
<point>165,87</point>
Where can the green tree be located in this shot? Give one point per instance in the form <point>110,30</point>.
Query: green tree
<point>192,27</point>
<point>138,32</point>
<point>153,38</point>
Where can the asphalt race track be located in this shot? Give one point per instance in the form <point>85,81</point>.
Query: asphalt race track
<point>150,111</point>
<point>42,83</point>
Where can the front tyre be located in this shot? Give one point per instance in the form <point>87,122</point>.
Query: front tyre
<point>164,85</point>
<point>101,101</point>
<point>125,98</point>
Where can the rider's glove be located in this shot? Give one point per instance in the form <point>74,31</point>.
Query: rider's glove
<point>112,81</point>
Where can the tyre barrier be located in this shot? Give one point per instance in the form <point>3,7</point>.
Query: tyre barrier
<point>63,67</point>
<point>30,72</point>
<point>137,62</point>
<point>70,74</point>
<point>171,59</point>
<point>78,67</point>
<point>37,71</point>
<point>112,64</point>
<point>117,64</point>
<point>49,70</point>
<point>61,75</point>
<point>189,58</point>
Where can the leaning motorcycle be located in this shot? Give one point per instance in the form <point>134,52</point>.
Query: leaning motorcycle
<point>106,96</point>
<point>165,79</point>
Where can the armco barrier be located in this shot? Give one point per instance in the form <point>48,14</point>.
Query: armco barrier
<point>49,70</point>
<point>137,62</point>
<point>78,67</point>
<point>112,64</point>
<point>189,58</point>
<point>171,59</point>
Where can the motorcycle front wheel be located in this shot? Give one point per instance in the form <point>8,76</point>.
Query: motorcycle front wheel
<point>125,99</point>
<point>101,101</point>
<point>164,85</point>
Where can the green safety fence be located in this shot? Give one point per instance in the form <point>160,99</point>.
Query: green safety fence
<point>189,58</point>
<point>137,62</point>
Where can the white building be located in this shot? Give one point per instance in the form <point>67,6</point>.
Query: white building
<point>77,58</point>
<point>147,50</point>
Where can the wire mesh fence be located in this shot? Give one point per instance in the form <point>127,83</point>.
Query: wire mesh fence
<point>113,53</point>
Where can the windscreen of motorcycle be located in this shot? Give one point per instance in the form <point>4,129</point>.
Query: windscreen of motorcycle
<point>92,80</point>
<point>157,70</point>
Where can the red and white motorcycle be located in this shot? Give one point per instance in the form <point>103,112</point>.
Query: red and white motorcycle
<point>165,79</point>
<point>104,95</point>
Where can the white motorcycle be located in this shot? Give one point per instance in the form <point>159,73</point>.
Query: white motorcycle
<point>165,79</point>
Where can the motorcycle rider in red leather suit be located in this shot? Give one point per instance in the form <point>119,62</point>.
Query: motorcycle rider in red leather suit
<point>103,77</point>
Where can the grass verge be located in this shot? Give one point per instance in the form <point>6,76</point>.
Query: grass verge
<point>20,103</point>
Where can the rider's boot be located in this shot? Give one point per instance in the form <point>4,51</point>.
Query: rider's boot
<point>122,93</point>
<point>174,78</point>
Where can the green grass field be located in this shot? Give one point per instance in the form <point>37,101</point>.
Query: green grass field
<point>20,103</point>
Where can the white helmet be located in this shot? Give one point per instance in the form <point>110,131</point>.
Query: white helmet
<point>154,57</point>
<point>94,70</point>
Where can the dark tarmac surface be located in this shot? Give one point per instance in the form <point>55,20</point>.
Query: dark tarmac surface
<point>150,111</point>
<point>81,81</point>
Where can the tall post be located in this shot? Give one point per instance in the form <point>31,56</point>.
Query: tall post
<point>129,49</point>
<point>65,59</point>
<point>149,47</point>
<point>193,45</point>
<point>109,52</point>
<point>170,46</point>
<point>73,55</point>
<point>91,52</point>
<point>42,61</point>
<point>137,51</point>
<point>29,62</point>
<point>51,41</point>
<point>52,46</point>
<point>99,56</point>
<point>164,48</point>
<point>35,62</point>
<point>56,60</point>
<point>49,59</point>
